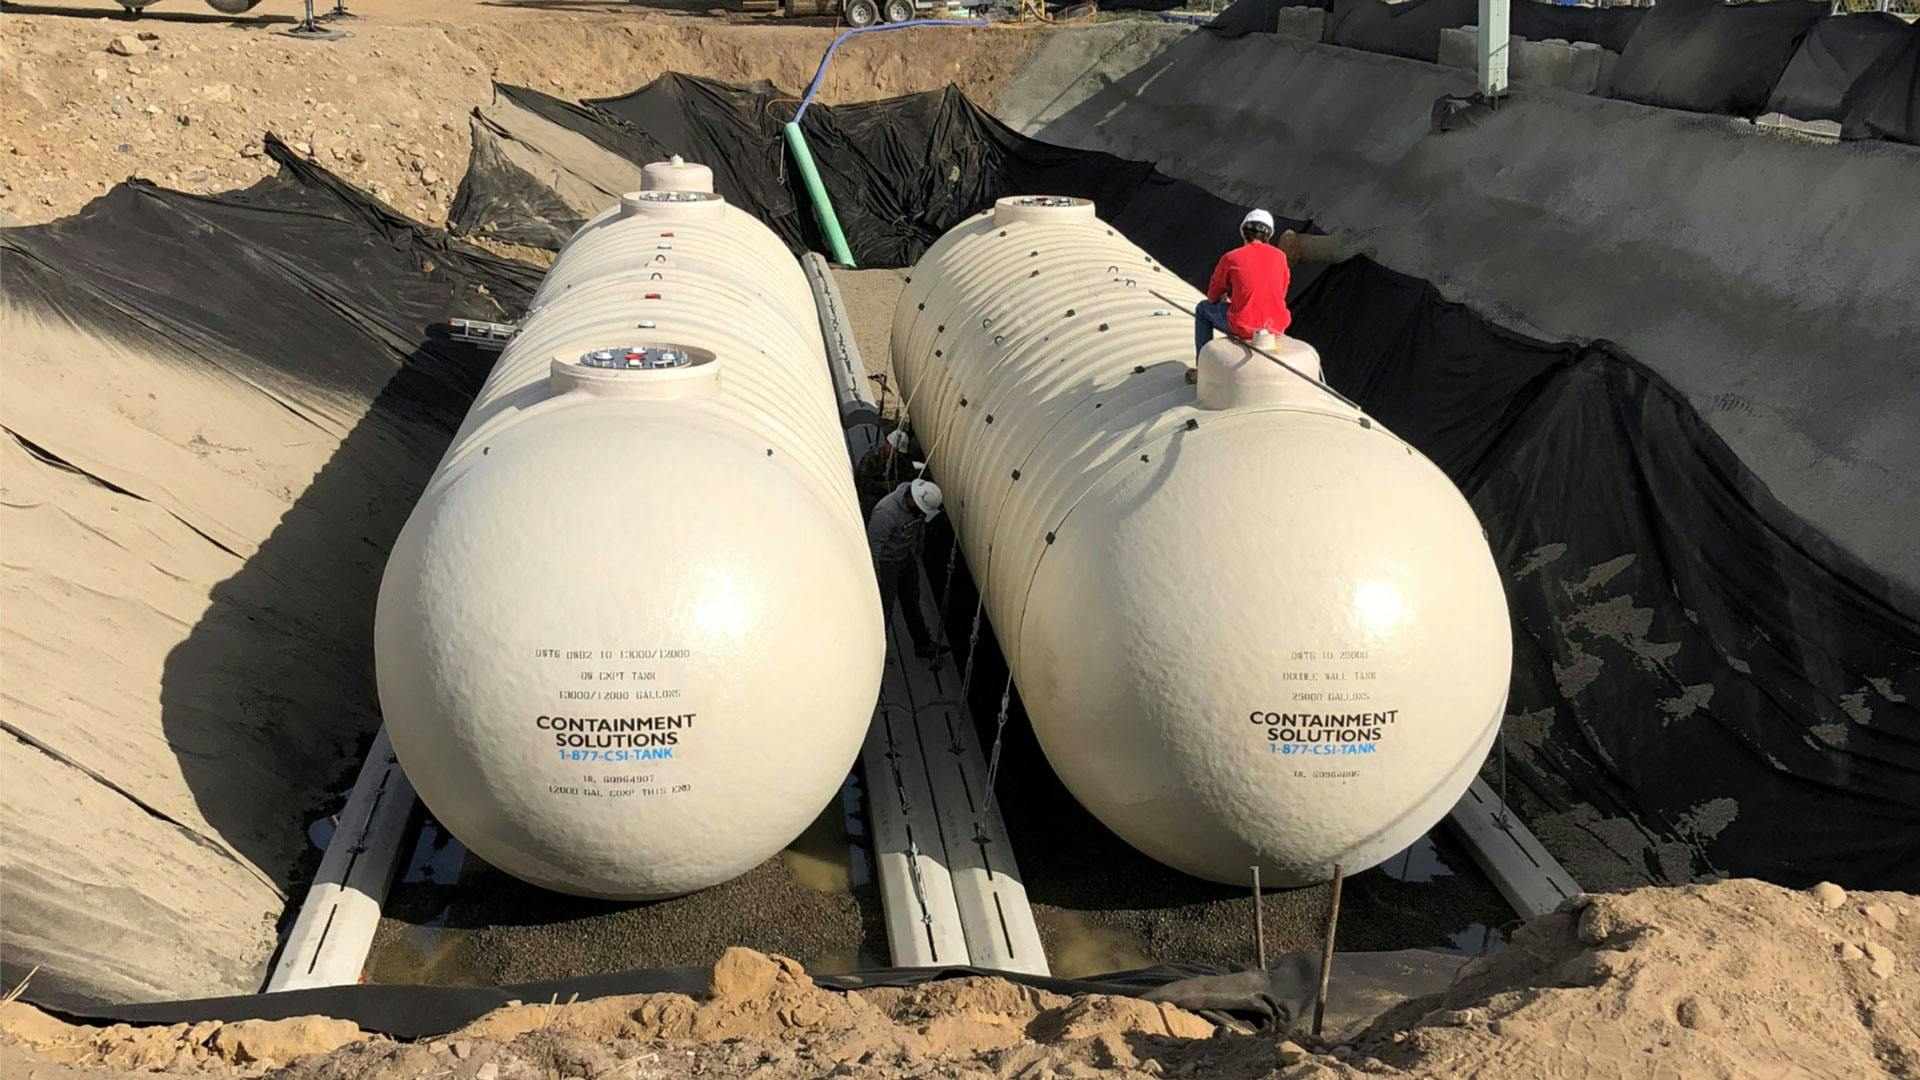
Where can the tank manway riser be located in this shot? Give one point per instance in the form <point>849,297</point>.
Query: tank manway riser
<point>629,640</point>
<point>1250,626</point>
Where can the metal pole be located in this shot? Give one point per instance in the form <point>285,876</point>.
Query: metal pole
<point>1326,952</point>
<point>1493,48</point>
<point>1259,924</point>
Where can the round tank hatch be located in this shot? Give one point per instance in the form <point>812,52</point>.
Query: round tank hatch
<point>1041,208</point>
<point>643,370</point>
<point>672,205</point>
<point>1233,375</point>
<point>676,174</point>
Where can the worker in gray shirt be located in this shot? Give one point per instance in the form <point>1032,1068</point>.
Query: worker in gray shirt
<point>895,532</point>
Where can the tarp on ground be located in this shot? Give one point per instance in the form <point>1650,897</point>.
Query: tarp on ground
<point>1651,683</point>
<point>1710,57</point>
<point>1886,100</point>
<point>1410,29</point>
<point>1607,27</point>
<point>901,172</point>
<point>1831,60</point>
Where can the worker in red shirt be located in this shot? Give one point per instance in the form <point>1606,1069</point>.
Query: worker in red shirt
<point>1248,292</point>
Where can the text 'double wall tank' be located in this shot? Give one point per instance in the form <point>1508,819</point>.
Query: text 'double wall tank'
<point>629,640</point>
<point>1249,625</point>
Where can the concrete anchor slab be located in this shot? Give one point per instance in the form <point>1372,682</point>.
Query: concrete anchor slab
<point>1528,877</point>
<point>331,936</point>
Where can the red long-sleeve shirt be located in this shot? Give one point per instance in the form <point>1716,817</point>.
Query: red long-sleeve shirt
<point>1254,276</point>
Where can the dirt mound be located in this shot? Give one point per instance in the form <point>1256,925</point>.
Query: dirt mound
<point>1736,979</point>
<point>1739,978</point>
<point>761,1016</point>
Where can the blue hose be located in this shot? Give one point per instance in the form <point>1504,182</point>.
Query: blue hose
<point>819,76</point>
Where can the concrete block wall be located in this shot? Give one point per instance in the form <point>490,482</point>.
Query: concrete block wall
<point>1579,67</point>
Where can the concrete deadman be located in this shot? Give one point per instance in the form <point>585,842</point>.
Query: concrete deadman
<point>1248,290</point>
<point>896,530</point>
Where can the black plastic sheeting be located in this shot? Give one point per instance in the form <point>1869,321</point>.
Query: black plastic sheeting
<point>308,279</point>
<point>1711,57</point>
<point>1695,659</point>
<point>1692,656</point>
<point>900,172</point>
<point>1280,998</point>
<point>1837,52</point>
<point>1410,29</point>
<point>1886,102</point>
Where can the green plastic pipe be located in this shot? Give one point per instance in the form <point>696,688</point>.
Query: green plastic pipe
<point>817,191</point>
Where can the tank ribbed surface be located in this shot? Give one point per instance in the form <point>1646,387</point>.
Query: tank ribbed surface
<point>1263,631</point>
<point>629,640</point>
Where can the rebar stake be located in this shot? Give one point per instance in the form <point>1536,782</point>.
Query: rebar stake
<point>1326,952</point>
<point>1259,924</point>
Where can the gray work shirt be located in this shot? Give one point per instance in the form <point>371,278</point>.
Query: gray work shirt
<point>895,530</point>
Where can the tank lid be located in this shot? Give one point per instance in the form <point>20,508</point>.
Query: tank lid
<point>1041,208</point>
<point>651,369</point>
<point>674,205</point>
<point>676,174</point>
<point>1234,375</point>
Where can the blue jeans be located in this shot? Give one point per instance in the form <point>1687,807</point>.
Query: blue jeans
<point>1208,317</point>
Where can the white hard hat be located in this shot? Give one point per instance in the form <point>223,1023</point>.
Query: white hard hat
<point>1257,217</point>
<point>926,496</point>
<point>897,438</point>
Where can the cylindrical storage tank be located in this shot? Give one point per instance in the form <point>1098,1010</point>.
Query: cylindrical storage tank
<point>629,640</point>
<point>1249,625</point>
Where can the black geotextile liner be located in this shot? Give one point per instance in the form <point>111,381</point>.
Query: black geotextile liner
<point>1711,57</point>
<point>900,172</point>
<point>1280,998</point>
<point>499,199</point>
<point>310,281</point>
<point>1886,100</point>
<point>1410,29</point>
<point>1831,60</point>
<point>1706,663</point>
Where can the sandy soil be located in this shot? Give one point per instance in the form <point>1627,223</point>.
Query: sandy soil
<point>1737,979</point>
<point>182,98</point>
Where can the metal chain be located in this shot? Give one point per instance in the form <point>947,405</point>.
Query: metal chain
<point>1505,821</point>
<point>906,812</point>
<point>973,642</point>
<point>999,734</point>
<point>946,592</point>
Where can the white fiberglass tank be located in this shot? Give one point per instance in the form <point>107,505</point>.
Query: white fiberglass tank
<point>629,641</point>
<point>1249,625</point>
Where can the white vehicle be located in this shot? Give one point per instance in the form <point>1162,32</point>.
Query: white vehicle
<point>864,13</point>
